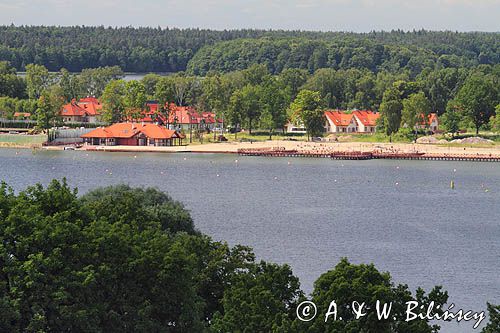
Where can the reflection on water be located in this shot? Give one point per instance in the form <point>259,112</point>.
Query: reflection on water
<point>401,215</point>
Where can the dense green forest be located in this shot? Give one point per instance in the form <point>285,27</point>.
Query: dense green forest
<point>121,259</point>
<point>199,51</point>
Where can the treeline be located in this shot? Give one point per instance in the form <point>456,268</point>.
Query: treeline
<point>120,259</point>
<point>254,98</point>
<point>200,51</point>
<point>395,55</point>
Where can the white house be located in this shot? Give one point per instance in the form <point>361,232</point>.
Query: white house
<point>366,120</point>
<point>340,122</point>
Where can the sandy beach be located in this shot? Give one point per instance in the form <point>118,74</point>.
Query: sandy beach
<point>232,147</point>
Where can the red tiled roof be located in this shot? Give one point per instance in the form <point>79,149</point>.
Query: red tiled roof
<point>339,118</point>
<point>430,118</point>
<point>182,115</point>
<point>22,114</point>
<point>366,117</point>
<point>89,106</point>
<point>128,130</point>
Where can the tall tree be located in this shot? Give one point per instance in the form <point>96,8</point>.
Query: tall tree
<point>38,79</point>
<point>275,101</point>
<point>113,102</point>
<point>390,110</point>
<point>48,108</point>
<point>450,120</point>
<point>134,99</point>
<point>416,111</point>
<point>478,98</point>
<point>70,85</point>
<point>94,80</point>
<point>307,109</point>
<point>247,102</point>
<point>11,85</point>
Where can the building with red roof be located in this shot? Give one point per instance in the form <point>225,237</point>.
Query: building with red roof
<point>133,134</point>
<point>86,110</point>
<point>366,120</point>
<point>22,115</point>
<point>179,117</point>
<point>357,121</point>
<point>340,122</point>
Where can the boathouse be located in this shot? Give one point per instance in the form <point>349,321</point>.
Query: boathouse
<point>133,134</point>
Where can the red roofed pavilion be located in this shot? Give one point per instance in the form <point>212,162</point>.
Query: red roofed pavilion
<point>133,134</point>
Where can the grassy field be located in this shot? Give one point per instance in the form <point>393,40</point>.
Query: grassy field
<point>21,140</point>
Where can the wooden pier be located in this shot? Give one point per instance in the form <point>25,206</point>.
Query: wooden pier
<point>361,155</point>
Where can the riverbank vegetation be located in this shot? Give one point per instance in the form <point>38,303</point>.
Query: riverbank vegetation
<point>121,259</point>
<point>258,80</point>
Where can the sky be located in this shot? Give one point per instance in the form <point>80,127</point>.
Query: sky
<point>324,15</point>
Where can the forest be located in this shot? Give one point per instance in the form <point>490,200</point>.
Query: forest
<point>199,51</point>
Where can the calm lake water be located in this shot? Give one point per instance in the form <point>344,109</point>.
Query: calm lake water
<point>400,215</point>
<point>126,77</point>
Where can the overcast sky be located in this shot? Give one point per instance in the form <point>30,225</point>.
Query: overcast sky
<point>346,15</point>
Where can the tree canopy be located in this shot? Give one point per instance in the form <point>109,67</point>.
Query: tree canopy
<point>122,259</point>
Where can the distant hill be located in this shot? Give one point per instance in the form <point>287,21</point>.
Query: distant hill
<point>199,51</point>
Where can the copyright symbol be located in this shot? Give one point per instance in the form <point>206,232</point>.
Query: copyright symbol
<point>306,311</point>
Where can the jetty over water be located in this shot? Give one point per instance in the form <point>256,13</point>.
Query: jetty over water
<point>367,155</point>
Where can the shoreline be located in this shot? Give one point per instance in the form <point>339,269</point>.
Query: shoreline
<point>301,146</point>
<point>233,147</point>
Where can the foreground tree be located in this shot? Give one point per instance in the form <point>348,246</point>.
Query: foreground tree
<point>365,284</point>
<point>115,260</point>
<point>120,259</point>
<point>494,324</point>
<point>263,299</point>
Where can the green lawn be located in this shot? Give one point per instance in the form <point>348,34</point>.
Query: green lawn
<point>18,139</point>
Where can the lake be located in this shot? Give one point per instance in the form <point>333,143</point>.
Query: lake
<point>401,215</point>
<point>126,77</point>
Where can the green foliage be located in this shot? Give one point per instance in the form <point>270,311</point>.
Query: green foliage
<point>121,259</point>
<point>246,106</point>
<point>259,300</point>
<point>365,284</point>
<point>390,51</point>
<point>38,79</point>
<point>11,85</point>
<point>92,81</point>
<point>48,106</point>
<point>113,102</point>
<point>115,260</point>
<point>9,105</point>
<point>478,98</point>
<point>495,120</point>
<point>416,109</point>
<point>494,324</point>
<point>450,120</point>
<point>307,108</point>
<point>134,99</point>
<point>390,110</point>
